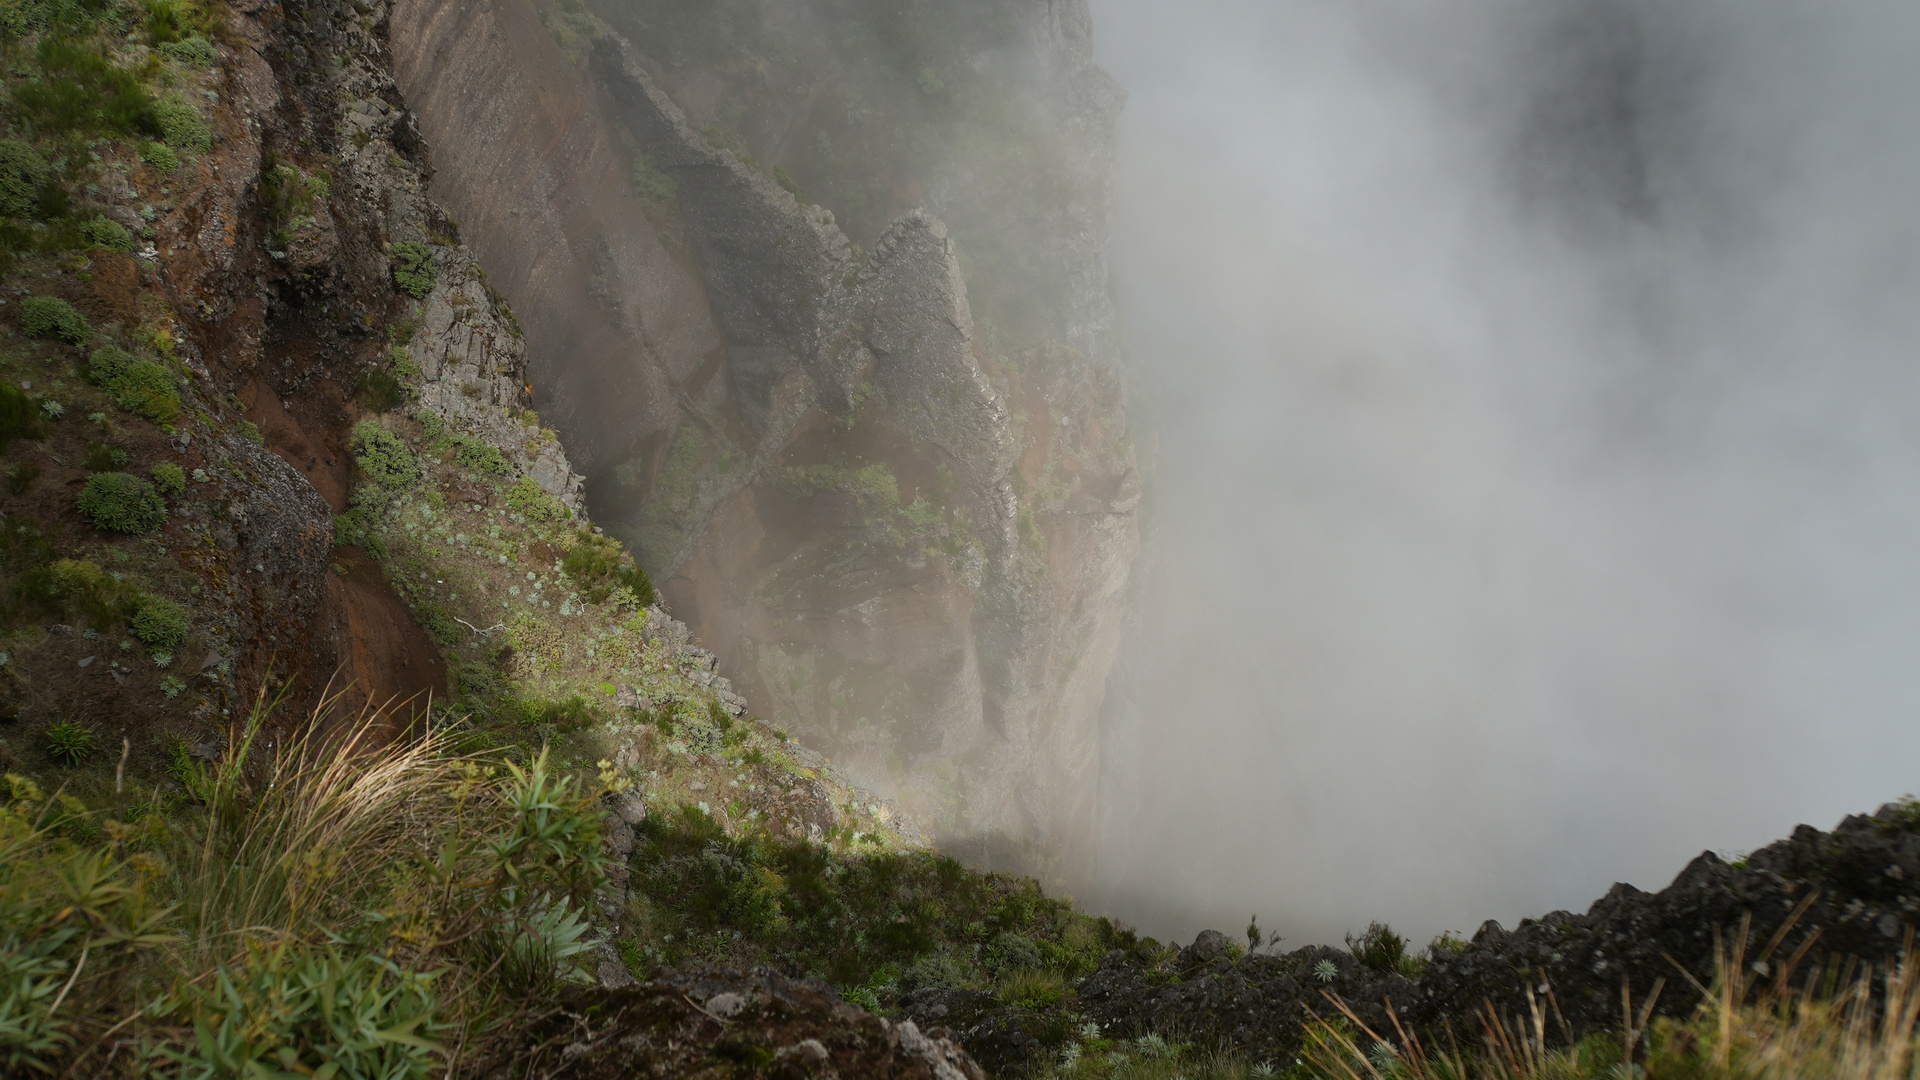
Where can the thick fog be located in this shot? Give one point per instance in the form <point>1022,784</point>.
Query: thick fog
<point>1532,397</point>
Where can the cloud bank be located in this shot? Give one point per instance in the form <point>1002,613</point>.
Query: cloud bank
<point>1533,398</point>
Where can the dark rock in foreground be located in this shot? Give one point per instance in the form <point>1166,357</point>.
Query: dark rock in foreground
<point>1804,907</point>
<point>727,1023</point>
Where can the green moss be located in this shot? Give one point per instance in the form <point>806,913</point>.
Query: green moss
<point>52,317</point>
<point>142,387</point>
<point>384,457</point>
<point>160,624</point>
<point>121,502</point>
<point>23,172</point>
<point>413,268</point>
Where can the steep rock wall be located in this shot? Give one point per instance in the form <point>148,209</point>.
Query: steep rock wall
<point>908,544</point>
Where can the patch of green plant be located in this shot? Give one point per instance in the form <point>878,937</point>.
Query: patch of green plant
<point>413,268</point>
<point>181,126</point>
<point>104,232</point>
<point>384,457</point>
<point>381,392</point>
<point>808,910</point>
<point>160,623</point>
<point>143,387</point>
<point>20,478</point>
<point>20,417</point>
<point>530,499</point>
<point>292,1011</point>
<point>103,457</point>
<point>23,172</point>
<point>652,185</point>
<point>190,51</point>
<point>1385,951</point>
<point>69,742</point>
<point>121,502</point>
<point>80,90</point>
<point>160,156</point>
<point>598,566</point>
<point>171,479</point>
<point>52,317</point>
<point>290,197</point>
<point>170,22</point>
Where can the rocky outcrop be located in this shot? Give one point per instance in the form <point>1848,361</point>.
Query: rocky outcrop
<point>731,1023</point>
<point>1812,908</point>
<point>906,538</point>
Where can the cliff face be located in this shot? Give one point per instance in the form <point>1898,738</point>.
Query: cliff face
<point>903,520</point>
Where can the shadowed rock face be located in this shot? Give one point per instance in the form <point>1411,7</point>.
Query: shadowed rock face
<point>907,540</point>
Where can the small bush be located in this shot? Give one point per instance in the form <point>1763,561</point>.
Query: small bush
<point>120,502</point>
<point>20,478</point>
<point>1382,950</point>
<point>181,125</point>
<point>171,479</point>
<point>384,457</point>
<point>82,90</point>
<point>192,51</point>
<point>160,156</point>
<point>104,232</point>
<point>530,499</point>
<point>19,417</point>
<point>23,172</point>
<point>161,624</point>
<point>476,456</point>
<point>52,317</point>
<point>144,388</point>
<point>69,742</point>
<point>382,392</point>
<point>413,268</point>
<point>102,457</point>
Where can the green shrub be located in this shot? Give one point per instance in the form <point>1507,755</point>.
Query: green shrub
<point>23,172</point>
<point>103,457</point>
<point>143,387</point>
<point>160,156</point>
<point>531,500</point>
<point>181,125</point>
<point>160,623</point>
<point>171,479</point>
<point>382,392</point>
<point>81,90</point>
<point>69,742</point>
<point>477,456</point>
<point>192,51</point>
<point>65,585</point>
<point>362,526</point>
<point>598,566</point>
<point>20,478</point>
<point>20,418</point>
<point>384,457</point>
<point>120,502</point>
<point>52,317</point>
<point>290,1011</point>
<point>413,268</point>
<point>104,232</point>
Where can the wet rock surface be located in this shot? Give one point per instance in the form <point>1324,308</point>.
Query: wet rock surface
<point>728,1023</point>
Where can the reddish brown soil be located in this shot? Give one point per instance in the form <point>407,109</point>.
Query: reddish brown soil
<point>388,661</point>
